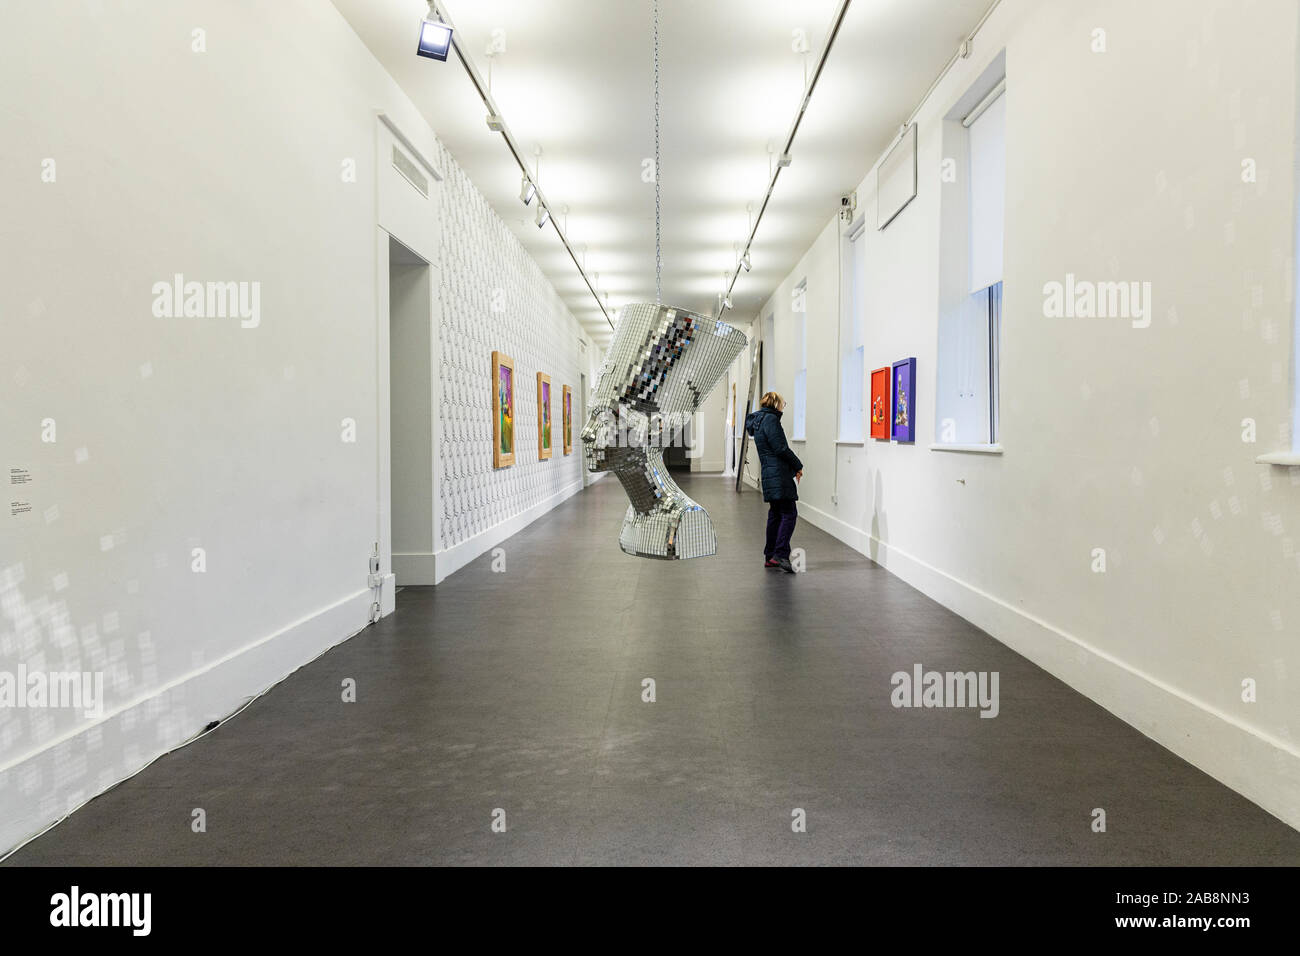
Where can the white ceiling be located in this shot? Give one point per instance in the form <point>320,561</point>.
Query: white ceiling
<point>576,79</point>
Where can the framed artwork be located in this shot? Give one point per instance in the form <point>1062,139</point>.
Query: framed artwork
<point>904,404</point>
<point>503,410</point>
<point>880,403</point>
<point>567,405</point>
<point>543,416</point>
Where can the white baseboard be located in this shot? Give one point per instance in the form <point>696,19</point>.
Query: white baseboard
<point>450,560</point>
<point>855,538</point>
<point>706,464</point>
<point>414,568</point>
<point>1261,767</point>
<point>40,787</point>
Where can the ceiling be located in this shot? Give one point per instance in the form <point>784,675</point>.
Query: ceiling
<point>576,80</point>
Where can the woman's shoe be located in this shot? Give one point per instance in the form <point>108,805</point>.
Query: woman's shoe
<point>771,563</point>
<point>785,565</point>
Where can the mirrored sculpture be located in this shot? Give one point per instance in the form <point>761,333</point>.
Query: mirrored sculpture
<point>658,369</point>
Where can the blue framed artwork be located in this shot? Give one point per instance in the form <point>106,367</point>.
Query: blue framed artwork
<point>903,407</point>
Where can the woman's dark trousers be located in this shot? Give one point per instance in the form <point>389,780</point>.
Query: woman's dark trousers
<point>781,516</point>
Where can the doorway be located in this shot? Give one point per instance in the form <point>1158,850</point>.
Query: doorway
<point>410,400</point>
<point>579,423</point>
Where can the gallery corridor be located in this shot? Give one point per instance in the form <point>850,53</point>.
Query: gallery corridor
<point>521,690</point>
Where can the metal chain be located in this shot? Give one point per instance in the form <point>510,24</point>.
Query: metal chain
<point>659,259</point>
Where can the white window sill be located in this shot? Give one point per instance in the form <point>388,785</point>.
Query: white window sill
<point>970,449</point>
<point>852,443</point>
<point>802,441</point>
<point>1284,458</point>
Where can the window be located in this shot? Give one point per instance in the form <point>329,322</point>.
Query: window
<point>1290,453</point>
<point>988,181</point>
<point>768,376</point>
<point>970,328</point>
<point>852,353</point>
<point>799,305</point>
<point>1295,336</point>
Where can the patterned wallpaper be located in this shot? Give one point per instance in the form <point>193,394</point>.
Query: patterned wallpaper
<point>494,296</point>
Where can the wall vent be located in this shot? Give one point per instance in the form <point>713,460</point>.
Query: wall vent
<point>410,172</point>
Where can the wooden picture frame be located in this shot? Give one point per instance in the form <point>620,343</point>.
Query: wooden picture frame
<point>503,410</point>
<point>566,413</point>
<point>545,436</point>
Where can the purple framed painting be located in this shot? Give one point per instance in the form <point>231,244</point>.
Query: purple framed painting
<point>903,408</point>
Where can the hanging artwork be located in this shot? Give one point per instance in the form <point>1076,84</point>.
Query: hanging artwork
<point>880,403</point>
<point>503,410</point>
<point>659,368</point>
<point>543,416</point>
<point>567,405</point>
<point>904,404</point>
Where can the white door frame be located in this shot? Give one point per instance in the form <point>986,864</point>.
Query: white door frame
<point>401,213</point>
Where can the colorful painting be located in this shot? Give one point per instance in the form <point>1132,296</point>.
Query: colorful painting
<point>503,410</point>
<point>904,405</point>
<point>880,403</point>
<point>543,416</point>
<point>567,404</point>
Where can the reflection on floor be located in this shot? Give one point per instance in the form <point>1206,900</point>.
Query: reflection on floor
<point>523,692</point>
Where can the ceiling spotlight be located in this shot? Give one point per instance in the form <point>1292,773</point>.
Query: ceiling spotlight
<point>785,159</point>
<point>744,261</point>
<point>543,215</point>
<point>726,301</point>
<point>526,190</point>
<point>495,123</point>
<point>435,40</point>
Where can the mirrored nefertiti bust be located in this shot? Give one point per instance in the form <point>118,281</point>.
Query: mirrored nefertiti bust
<point>658,369</point>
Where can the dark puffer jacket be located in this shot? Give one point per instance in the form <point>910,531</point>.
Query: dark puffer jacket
<point>779,463</point>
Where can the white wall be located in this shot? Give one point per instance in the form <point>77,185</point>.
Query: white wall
<point>1121,165</point>
<point>709,453</point>
<point>175,434</point>
<point>495,297</point>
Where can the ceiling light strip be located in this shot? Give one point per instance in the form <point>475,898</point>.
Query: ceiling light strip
<point>515,151</point>
<point>836,23</point>
<point>803,106</point>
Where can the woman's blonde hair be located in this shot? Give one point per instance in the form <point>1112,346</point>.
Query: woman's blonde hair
<point>772,400</point>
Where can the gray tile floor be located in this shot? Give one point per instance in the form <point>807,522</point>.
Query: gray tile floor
<point>522,691</point>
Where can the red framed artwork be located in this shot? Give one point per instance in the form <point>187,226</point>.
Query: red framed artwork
<point>880,403</point>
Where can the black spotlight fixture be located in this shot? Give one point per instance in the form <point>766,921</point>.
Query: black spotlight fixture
<point>435,39</point>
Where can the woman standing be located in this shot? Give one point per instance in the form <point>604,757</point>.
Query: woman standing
<point>781,468</point>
